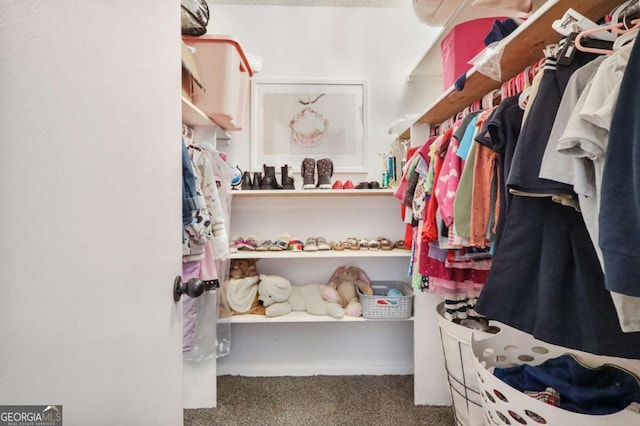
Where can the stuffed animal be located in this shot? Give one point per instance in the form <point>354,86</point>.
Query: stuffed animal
<point>342,288</point>
<point>242,288</point>
<point>280,297</point>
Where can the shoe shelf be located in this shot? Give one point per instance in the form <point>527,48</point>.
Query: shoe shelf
<point>286,254</point>
<point>297,317</point>
<point>312,192</point>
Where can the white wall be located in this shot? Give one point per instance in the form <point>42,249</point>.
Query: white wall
<point>379,45</point>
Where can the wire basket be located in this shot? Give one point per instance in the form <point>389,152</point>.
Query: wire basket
<point>504,405</point>
<point>381,306</point>
<point>461,372</point>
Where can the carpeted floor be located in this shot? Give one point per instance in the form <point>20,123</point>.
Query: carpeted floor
<point>318,400</point>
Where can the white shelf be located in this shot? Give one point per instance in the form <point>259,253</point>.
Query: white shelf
<point>323,254</point>
<point>312,192</point>
<point>297,317</point>
<point>522,48</point>
<point>193,116</point>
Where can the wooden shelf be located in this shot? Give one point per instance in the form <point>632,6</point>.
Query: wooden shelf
<point>193,116</point>
<point>522,48</point>
<point>322,254</point>
<point>297,317</point>
<point>313,192</point>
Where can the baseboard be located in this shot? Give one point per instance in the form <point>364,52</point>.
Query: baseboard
<point>270,370</point>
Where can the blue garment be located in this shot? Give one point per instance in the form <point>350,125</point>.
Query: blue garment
<point>467,139</point>
<point>189,189</point>
<point>500,30</point>
<point>619,218</point>
<point>603,390</point>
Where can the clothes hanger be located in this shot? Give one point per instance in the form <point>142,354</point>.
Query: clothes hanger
<point>619,28</point>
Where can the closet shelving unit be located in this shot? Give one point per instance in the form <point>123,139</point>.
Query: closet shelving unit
<point>522,48</point>
<point>282,201</point>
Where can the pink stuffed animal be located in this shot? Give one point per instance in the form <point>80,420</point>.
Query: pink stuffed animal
<point>342,288</point>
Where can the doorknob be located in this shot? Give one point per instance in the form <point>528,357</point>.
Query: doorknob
<point>192,288</point>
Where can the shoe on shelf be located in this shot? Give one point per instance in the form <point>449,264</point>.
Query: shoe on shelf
<point>374,185</point>
<point>311,244</point>
<point>269,180</point>
<point>308,171</point>
<point>362,185</point>
<point>257,180</point>
<point>322,244</point>
<point>337,185</point>
<point>287,181</point>
<point>264,245</point>
<point>385,243</point>
<point>348,185</point>
<point>325,171</point>
<point>282,243</point>
<point>246,181</point>
<point>295,245</point>
<point>249,244</point>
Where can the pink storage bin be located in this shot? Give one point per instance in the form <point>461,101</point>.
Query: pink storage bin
<point>460,45</point>
<point>225,73</point>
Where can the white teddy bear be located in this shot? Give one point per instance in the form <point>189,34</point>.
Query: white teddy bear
<point>280,297</point>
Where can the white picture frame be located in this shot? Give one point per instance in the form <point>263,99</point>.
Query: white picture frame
<point>293,120</point>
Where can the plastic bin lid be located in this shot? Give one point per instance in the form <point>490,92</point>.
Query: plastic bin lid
<point>217,38</point>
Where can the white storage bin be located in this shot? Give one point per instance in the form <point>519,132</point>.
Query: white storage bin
<point>381,306</point>
<point>461,372</point>
<point>504,405</point>
<point>225,73</point>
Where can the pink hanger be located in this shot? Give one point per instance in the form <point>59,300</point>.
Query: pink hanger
<point>617,28</point>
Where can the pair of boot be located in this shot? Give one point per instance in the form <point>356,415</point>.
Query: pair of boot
<point>325,171</point>
<point>268,180</point>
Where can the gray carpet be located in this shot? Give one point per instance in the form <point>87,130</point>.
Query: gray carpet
<point>318,400</point>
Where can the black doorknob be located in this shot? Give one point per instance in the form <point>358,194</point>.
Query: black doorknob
<point>192,288</point>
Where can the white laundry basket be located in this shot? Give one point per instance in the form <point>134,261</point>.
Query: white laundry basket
<point>461,373</point>
<point>504,405</point>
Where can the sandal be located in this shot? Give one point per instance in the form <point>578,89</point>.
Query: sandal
<point>374,245</point>
<point>322,244</point>
<point>311,244</point>
<point>282,243</point>
<point>400,245</point>
<point>336,245</point>
<point>363,244</point>
<point>385,243</point>
<point>352,244</point>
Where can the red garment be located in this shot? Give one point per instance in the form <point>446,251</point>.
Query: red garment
<point>430,231</point>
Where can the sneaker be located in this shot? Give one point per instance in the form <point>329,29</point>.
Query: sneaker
<point>322,243</point>
<point>311,244</point>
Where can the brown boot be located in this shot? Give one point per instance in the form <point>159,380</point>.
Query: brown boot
<point>325,171</point>
<point>308,171</point>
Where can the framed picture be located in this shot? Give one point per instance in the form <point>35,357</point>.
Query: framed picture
<point>294,120</point>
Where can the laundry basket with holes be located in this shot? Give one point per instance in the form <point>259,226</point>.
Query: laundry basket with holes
<point>504,405</point>
<point>461,374</point>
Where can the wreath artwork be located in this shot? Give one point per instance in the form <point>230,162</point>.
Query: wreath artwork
<point>308,127</point>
